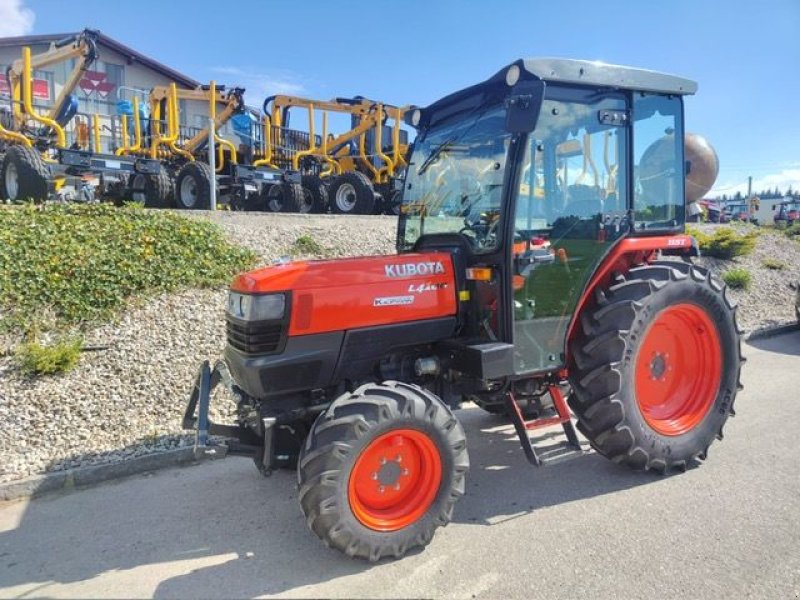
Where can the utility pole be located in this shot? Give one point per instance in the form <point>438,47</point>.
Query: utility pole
<point>749,186</point>
<point>212,162</point>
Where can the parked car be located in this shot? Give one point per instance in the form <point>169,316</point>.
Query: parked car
<point>740,212</point>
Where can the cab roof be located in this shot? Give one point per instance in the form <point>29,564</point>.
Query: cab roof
<point>584,72</point>
<point>564,71</point>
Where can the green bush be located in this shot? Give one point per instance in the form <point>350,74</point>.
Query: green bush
<point>773,264</point>
<point>737,279</point>
<point>724,243</point>
<point>305,244</point>
<point>33,358</point>
<point>81,263</point>
<point>793,231</point>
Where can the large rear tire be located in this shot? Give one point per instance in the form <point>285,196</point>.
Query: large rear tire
<point>656,367</point>
<point>24,175</point>
<point>154,191</point>
<point>381,469</point>
<point>352,194</point>
<point>193,186</point>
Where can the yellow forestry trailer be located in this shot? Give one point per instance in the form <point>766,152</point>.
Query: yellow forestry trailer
<point>185,177</point>
<point>358,171</point>
<point>35,158</point>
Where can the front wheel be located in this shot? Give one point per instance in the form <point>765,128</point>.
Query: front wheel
<point>193,186</point>
<point>656,367</point>
<point>24,175</point>
<point>352,193</point>
<point>381,469</point>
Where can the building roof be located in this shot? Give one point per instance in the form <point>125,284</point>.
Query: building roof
<point>132,55</point>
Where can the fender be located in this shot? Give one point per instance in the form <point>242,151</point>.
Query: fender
<point>625,254</point>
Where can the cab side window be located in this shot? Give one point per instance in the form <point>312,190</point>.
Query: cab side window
<point>658,193</point>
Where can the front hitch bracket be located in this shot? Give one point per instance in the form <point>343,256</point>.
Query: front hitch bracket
<point>239,440</point>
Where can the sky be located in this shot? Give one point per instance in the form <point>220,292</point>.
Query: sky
<point>745,55</point>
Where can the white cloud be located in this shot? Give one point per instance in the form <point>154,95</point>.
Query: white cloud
<point>784,179</point>
<point>15,18</point>
<point>259,85</point>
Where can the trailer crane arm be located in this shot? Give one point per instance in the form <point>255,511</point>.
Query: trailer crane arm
<point>82,45</point>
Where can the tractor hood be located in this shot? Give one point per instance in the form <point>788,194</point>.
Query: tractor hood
<point>336,295</point>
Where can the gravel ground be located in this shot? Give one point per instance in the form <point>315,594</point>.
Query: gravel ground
<point>127,400</point>
<point>770,300</point>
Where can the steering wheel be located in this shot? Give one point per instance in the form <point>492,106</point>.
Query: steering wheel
<point>481,231</point>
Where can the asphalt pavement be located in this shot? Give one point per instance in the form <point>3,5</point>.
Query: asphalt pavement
<point>729,528</point>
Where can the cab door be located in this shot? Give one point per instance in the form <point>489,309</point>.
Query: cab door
<point>571,205</point>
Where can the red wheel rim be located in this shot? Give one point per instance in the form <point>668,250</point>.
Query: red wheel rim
<point>395,480</point>
<point>678,369</point>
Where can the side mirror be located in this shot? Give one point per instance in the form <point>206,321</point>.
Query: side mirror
<point>523,106</point>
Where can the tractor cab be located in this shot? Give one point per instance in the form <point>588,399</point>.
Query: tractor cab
<point>533,177</point>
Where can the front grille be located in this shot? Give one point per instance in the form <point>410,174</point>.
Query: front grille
<point>262,337</point>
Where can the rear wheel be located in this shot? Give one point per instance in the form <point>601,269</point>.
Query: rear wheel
<point>656,367</point>
<point>315,195</point>
<point>24,175</point>
<point>381,469</point>
<point>352,193</point>
<point>283,197</point>
<point>193,186</point>
<point>154,191</point>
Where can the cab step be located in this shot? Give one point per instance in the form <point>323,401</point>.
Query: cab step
<point>554,454</point>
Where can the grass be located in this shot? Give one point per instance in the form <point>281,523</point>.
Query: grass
<point>81,264</point>
<point>773,264</point>
<point>60,356</point>
<point>306,245</point>
<point>737,278</point>
<point>724,243</point>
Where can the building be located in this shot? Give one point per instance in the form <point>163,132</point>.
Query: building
<point>119,73</point>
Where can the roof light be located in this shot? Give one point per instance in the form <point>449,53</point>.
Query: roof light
<point>512,75</point>
<point>415,117</point>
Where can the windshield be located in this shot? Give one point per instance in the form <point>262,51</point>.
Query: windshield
<point>455,179</point>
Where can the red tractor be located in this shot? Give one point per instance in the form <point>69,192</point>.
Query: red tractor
<point>542,265</point>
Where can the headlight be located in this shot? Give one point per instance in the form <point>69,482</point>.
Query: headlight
<point>269,307</point>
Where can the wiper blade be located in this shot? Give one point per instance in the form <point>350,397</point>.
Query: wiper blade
<point>434,155</point>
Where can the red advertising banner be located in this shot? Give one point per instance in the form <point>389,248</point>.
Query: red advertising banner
<point>41,89</point>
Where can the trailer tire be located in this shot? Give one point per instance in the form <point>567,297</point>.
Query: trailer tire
<point>193,186</point>
<point>24,175</point>
<point>315,195</point>
<point>283,197</point>
<point>154,191</point>
<point>353,495</point>
<point>656,367</point>
<point>352,193</point>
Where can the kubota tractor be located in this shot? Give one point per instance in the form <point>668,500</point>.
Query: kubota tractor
<point>542,265</point>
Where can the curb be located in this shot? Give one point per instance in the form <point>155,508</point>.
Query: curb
<point>69,479</point>
<point>769,332</point>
